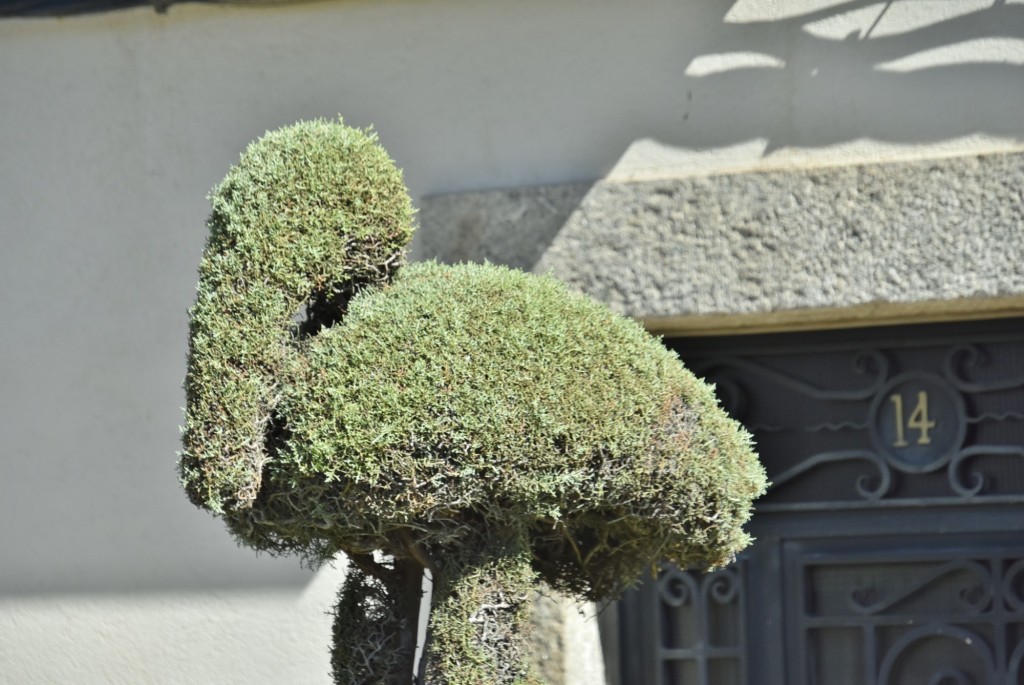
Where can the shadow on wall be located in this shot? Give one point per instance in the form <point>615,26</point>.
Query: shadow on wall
<point>809,75</point>
<point>512,228</point>
<point>905,72</point>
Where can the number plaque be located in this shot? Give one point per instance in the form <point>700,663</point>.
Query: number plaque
<point>917,422</point>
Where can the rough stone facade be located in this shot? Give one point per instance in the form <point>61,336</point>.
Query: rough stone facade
<point>818,247</point>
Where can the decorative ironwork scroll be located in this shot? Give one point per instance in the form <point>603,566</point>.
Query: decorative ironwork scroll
<point>844,426</point>
<point>933,616</point>
<point>702,627</point>
<point>890,547</point>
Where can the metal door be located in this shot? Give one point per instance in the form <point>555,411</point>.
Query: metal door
<point>890,547</point>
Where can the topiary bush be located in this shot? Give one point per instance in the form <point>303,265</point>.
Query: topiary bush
<point>485,424</point>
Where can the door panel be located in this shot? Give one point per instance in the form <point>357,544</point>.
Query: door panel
<point>890,547</point>
<point>924,609</point>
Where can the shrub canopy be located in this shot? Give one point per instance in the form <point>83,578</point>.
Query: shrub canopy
<point>469,397</point>
<point>482,422</point>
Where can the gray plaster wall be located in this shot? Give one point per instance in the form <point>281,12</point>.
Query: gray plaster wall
<point>923,239</point>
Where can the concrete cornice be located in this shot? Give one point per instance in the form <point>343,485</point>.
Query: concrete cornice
<point>773,250</point>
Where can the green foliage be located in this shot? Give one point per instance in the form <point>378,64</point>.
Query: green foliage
<point>479,421</point>
<point>370,621</point>
<point>475,396</point>
<point>310,213</point>
<point>479,625</point>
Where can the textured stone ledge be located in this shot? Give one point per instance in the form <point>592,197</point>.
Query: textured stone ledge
<point>759,251</point>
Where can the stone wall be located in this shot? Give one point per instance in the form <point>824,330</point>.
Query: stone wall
<point>879,243</point>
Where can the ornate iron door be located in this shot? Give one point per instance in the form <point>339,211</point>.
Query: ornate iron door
<point>890,547</point>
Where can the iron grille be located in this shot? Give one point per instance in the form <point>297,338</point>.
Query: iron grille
<point>889,547</point>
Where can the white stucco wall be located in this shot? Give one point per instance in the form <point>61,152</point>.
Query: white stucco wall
<point>113,127</point>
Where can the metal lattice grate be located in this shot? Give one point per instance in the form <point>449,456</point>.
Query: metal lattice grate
<point>888,548</point>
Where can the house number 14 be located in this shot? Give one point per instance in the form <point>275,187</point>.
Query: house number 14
<point>918,420</point>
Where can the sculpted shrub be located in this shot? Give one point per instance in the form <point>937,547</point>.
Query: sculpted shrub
<point>479,422</point>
